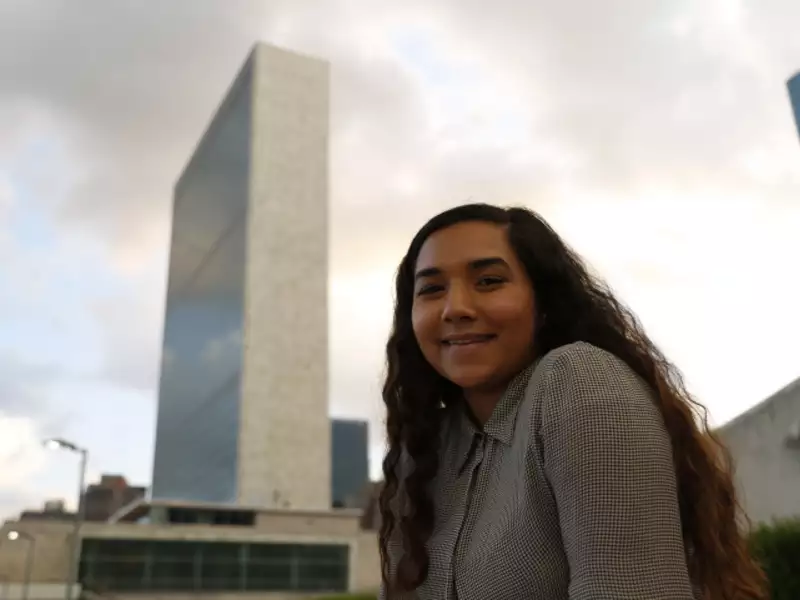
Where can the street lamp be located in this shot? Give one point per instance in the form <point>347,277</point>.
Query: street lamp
<point>13,536</point>
<point>80,512</point>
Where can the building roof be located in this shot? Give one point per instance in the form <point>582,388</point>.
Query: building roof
<point>790,393</point>
<point>141,507</point>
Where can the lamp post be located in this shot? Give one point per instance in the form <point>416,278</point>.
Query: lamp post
<point>13,536</point>
<point>80,512</point>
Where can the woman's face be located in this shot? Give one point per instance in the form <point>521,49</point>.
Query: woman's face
<point>473,311</point>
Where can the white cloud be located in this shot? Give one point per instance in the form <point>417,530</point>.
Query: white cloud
<point>26,466</point>
<point>360,319</point>
<point>22,459</point>
<point>21,450</point>
<point>711,288</point>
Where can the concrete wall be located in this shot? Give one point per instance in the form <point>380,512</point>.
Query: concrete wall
<point>284,444</point>
<point>49,552</point>
<point>336,523</point>
<point>365,568</point>
<point>767,468</point>
<point>35,591</point>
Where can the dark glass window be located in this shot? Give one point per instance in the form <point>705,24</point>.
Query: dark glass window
<point>211,517</point>
<point>270,567</point>
<point>190,566</point>
<point>113,564</point>
<point>173,566</point>
<point>221,566</point>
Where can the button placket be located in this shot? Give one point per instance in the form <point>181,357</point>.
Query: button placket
<point>475,472</point>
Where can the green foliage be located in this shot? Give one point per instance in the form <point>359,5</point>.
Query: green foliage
<point>777,548</point>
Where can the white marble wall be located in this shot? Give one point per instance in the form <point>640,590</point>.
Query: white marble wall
<point>284,442</point>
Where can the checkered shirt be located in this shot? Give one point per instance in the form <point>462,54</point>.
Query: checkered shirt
<point>567,493</point>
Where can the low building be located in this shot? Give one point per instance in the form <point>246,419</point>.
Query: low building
<point>149,549</point>
<point>101,500</point>
<point>53,510</point>
<point>765,444</point>
<point>109,495</point>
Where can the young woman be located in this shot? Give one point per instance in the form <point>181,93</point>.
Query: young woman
<point>540,446</point>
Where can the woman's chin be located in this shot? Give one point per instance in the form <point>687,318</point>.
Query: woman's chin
<point>471,377</point>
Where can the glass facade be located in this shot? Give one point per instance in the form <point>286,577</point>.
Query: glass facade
<point>350,461</point>
<point>118,565</point>
<point>794,96</point>
<point>199,397</point>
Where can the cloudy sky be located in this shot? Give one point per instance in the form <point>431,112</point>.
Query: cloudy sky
<point>657,137</point>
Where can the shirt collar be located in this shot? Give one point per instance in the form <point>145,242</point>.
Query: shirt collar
<point>500,425</point>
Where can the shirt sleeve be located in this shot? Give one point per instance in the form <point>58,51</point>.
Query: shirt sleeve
<point>608,459</point>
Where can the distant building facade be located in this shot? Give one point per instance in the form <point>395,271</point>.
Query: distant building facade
<point>349,462</point>
<point>109,495</point>
<point>243,396</point>
<point>794,98</point>
<point>53,510</point>
<point>765,444</point>
<point>101,500</point>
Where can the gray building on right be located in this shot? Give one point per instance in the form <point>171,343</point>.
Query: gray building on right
<point>349,463</point>
<point>794,97</point>
<point>765,444</point>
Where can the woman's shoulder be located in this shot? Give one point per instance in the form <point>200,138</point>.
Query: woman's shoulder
<point>581,373</point>
<point>581,361</point>
<point>577,354</point>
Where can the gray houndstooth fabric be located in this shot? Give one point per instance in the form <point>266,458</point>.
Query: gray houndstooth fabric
<point>568,493</point>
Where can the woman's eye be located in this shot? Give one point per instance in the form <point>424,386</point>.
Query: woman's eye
<point>431,288</point>
<point>490,280</point>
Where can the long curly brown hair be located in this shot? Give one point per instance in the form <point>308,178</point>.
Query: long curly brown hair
<point>579,307</point>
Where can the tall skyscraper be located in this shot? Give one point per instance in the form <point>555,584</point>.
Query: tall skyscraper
<point>794,96</point>
<point>242,414</point>
<point>350,462</point>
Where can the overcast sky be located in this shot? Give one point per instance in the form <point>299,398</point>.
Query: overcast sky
<point>657,137</point>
